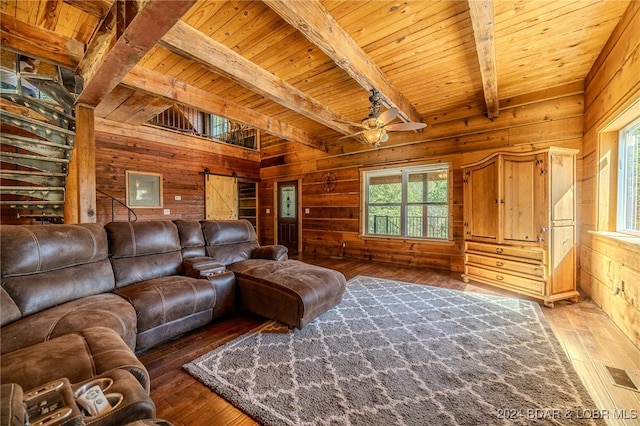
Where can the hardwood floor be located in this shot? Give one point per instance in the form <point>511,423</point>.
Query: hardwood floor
<point>588,336</point>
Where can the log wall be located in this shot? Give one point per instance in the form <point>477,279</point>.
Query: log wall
<point>609,261</point>
<point>332,226</point>
<point>181,159</point>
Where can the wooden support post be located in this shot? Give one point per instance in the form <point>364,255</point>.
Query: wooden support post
<point>80,201</point>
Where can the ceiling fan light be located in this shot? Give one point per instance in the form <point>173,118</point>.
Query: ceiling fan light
<point>375,136</point>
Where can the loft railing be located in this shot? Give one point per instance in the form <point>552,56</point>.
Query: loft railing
<point>193,121</point>
<point>114,200</point>
<point>436,226</point>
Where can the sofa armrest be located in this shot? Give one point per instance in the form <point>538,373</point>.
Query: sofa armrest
<point>271,252</point>
<point>202,267</point>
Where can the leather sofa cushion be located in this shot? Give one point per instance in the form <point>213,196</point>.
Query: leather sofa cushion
<point>129,239</point>
<point>229,241</point>
<point>167,299</point>
<point>191,238</point>
<point>37,292</point>
<point>77,356</point>
<point>11,409</point>
<point>36,249</point>
<point>143,251</point>
<point>9,310</point>
<point>130,270</point>
<point>44,266</point>
<point>108,310</point>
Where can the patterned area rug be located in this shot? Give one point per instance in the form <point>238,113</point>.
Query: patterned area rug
<point>395,353</point>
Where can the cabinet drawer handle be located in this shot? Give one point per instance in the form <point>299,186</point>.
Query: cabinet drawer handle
<point>499,277</point>
<point>499,264</point>
<point>499,250</point>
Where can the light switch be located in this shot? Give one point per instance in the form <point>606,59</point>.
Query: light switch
<point>268,211</point>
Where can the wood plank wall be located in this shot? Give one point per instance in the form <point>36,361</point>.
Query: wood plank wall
<point>553,117</point>
<point>606,260</point>
<point>180,158</point>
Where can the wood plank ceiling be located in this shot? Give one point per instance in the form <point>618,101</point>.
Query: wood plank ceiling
<point>302,70</point>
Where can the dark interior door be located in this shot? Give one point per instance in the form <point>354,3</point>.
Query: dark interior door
<point>288,215</point>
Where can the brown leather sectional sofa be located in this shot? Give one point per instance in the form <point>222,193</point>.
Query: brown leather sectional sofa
<point>77,300</point>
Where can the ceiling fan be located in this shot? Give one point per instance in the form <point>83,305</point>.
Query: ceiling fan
<point>376,125</point>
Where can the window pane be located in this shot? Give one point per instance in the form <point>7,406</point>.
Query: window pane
<point>385,189</point>
<point>630,191</point>
<point>437,221</point>
<point>384,220</point>
<point>417,189</point>
<point>415,221</point>
<point>437,189</point>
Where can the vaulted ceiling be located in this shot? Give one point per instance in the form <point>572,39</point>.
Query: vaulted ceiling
<point>301,70</point>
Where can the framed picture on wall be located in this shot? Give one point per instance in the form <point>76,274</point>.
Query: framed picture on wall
<point>144,190</point>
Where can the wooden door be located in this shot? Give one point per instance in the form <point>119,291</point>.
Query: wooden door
<point>288,215</point>
<point>481,201</point>
<point>522,199</point>
<point>221,194</point>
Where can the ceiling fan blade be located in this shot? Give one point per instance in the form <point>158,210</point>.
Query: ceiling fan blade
<point>399,127</point>
<point>351,135</point>
<point>386,116</point>
<point>351,123</point>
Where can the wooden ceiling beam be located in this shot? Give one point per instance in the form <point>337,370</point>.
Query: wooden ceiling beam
<point>482,19</point>
<point>196,46</point>
<point>153,20</point>
<point>49,46</point>
<point>97,8</point>
<point>315,22</point>
<point>158,84</point>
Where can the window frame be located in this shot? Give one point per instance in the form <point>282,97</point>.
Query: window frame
<point>405,171</point>
<point>622,199</point>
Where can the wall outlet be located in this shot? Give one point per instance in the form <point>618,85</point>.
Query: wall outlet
<point>268,211</point>
<point>306,210</point>
<point>177,198</point>
<point>167,212</point>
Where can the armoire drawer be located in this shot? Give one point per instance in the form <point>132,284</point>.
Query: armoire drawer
<point>525,254</point>
<point>535,271</point>
<point>512,282</point>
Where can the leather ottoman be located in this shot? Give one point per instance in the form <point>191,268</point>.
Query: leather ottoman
<point>292,292</point>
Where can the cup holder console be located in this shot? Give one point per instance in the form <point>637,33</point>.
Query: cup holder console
<point>103,383</point>
<point>93,398</point>
<point>114,398</point>
<point>99,397</point>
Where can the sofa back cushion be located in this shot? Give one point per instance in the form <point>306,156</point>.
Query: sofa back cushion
<point>142,251</point>
<point>191,238</point>
<point>229,241</point>
<point>46,265</point>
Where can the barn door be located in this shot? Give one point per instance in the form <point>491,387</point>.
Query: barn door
<point>221,194</point>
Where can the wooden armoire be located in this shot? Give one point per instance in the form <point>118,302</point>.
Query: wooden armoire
<point>519,223</point>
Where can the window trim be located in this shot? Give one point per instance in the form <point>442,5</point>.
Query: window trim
<point>365,172</point>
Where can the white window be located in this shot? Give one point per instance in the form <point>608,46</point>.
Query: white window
<point>219,127</point>
<point>407,203</point>
<point>629,179</point>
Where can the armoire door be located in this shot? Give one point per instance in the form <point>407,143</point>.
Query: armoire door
<point>481,202</point>
<point>523,183</point>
